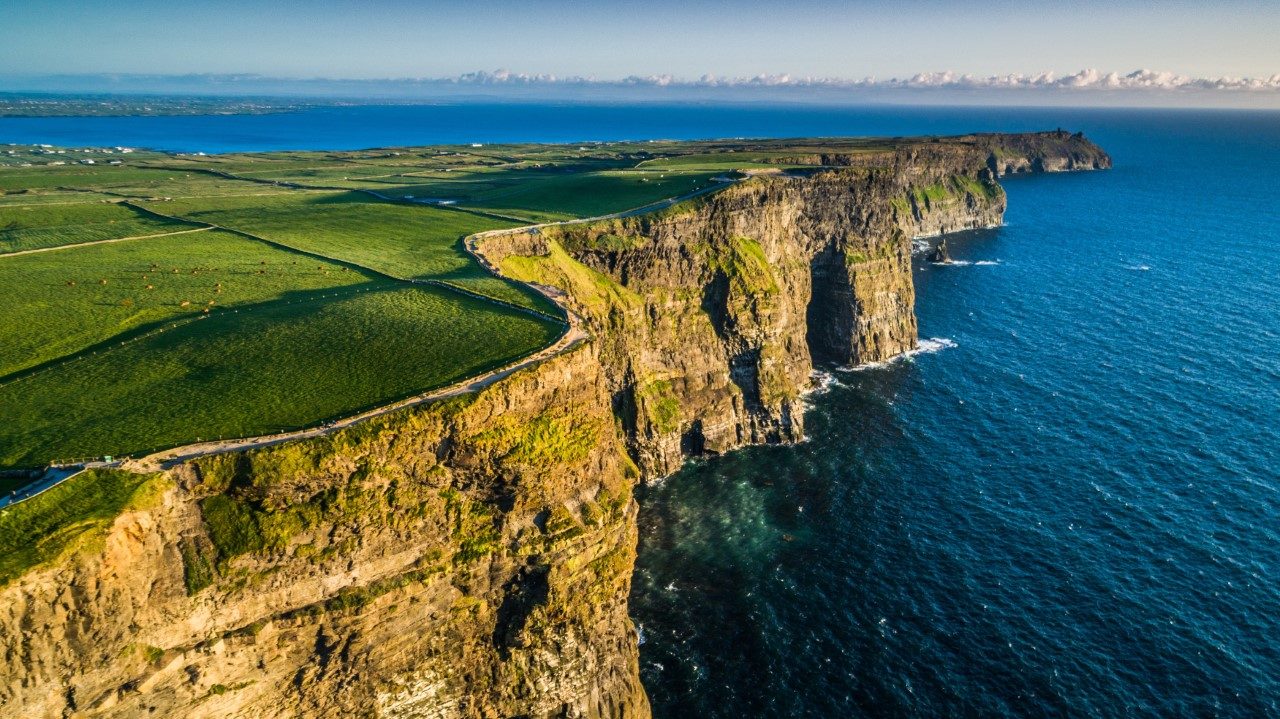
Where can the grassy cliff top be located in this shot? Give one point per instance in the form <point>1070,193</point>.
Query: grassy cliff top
<point>151,299</point>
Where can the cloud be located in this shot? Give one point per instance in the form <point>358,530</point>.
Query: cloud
<point>1084,80</point>
<point>1088,87</point>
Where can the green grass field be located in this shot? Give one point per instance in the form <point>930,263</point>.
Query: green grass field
<point>28,227</point>
<point>404,241</point>
<point>535,184</point>
<point>720,161</point>
<point>542,195</point>
<point>15,180</point>
<point>280,366</point>
<point>398,240</point>
<point>158,340</point>
<point>43,316</point>
<point>560,197</point>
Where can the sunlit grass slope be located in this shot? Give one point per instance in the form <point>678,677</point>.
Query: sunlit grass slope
<point>55,304</point>
<point>400,240</point>
<point>281,366</point>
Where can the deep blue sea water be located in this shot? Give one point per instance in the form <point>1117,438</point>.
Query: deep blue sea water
<point>1070,508</point>
<point>1073,511</point>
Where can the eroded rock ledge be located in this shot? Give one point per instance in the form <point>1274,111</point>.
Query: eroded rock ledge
<point>472,558</point>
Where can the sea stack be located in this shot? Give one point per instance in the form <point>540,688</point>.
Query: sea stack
<point>940,254</point>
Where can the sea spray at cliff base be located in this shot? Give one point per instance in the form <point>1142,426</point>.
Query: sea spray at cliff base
<point>927,345</point>
<point>1073,511</point>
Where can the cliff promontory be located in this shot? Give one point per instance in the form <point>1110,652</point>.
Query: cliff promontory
<point>709,315</point>
<point>472,557</point>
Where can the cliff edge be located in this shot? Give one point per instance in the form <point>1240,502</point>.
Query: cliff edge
<point>472,557</point>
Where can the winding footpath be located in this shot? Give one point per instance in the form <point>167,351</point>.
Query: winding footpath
<point>573,336</point>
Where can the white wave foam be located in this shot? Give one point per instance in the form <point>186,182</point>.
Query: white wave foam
<point>824,381</point>
<point>928,345</point>
<point>966,263</point>
<point>931,345</point>
<point>1138,268</point>
<point>820,384</point>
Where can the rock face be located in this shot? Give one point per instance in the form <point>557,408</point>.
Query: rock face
<point>940,254</point>
<point>468,559</point>
<point>472,558</point>
<point>1058,151</point>
<point>710,314</point>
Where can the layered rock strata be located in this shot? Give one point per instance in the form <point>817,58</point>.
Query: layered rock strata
<point>472,558</point>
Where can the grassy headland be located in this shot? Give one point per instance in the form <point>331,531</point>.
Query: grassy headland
<point>303,286</point>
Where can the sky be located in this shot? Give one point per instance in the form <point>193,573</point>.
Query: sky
<point>683,39</point>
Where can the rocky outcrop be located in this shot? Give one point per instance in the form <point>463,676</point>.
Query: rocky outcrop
<point>472,558</point>
<point>1056,151</point>
<point>940,254</point>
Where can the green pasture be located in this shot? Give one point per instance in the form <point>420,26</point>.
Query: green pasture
<point>273,367</point>
<point>77,176</point>
<point>54,304</point>
<point>33,227</point>
<point>546,196</point>
<point>401,240</point>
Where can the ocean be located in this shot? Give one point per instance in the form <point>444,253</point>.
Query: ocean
<point>1068,504</point>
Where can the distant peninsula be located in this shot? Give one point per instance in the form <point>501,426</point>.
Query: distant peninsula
<point>104,105</point>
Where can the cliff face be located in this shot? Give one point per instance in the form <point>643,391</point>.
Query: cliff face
<point>1057,151</point>
<point>472,558</point>
<point>468,559</point>
<point>710,314</point>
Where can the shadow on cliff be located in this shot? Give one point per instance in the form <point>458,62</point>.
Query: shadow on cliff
<point>525,592</point>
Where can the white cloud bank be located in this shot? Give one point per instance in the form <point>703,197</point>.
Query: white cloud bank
<point>1087,88</point>
<point>1084,80</point>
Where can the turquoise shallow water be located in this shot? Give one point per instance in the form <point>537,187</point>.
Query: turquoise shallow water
<point>1070,508</point>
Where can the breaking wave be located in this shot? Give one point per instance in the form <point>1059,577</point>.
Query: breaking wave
<point>926,346</point>
<point>967,263</point>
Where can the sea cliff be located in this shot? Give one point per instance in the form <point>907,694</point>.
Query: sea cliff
<point>472,557</point>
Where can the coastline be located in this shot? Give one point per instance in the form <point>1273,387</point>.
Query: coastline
<point>496,530</point>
